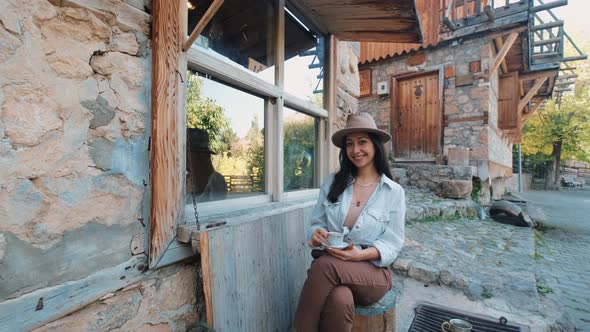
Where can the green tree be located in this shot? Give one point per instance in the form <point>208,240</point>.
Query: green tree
<point>204,113</point>
<point>298,150</point>
<point>562,130</point>
<point>255,152</point>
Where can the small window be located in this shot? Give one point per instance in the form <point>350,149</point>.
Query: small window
<point>299,149</point>
<point>304,60</point>
<point>243,31</point>
<point>225,141</point>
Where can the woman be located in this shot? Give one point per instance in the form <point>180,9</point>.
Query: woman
<point>362,201</point>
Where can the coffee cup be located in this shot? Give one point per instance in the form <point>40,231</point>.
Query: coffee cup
<point>456,325</point>
<point>335,238</point>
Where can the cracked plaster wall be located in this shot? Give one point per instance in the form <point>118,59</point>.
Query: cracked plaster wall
<point>75,91</point>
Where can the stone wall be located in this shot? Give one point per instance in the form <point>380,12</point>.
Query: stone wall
<point>433,178</point>
<point>75,91</point>
<point>470,109</point>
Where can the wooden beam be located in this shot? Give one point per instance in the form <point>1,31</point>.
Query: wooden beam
<point>521,89</point>
<point>202,24</point>
<point>502,53</point>
<point>499,43</point>
<point>547,6</point>
<point>531,93</point>
<point>374,36</point>
<point>538,74</point>
<point>527,116</point>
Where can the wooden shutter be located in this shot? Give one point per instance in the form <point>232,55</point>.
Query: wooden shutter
<point>365,82</point>
<point>168,124</point>
<point>508,97</point>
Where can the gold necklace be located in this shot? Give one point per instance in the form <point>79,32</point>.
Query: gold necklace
<point>358,202</point>
<point>368,184</point>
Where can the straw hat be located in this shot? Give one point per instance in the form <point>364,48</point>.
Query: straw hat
<point>361,122</point>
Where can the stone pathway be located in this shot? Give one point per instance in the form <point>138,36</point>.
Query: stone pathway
<point>563,251</point>
<point>495,266</point>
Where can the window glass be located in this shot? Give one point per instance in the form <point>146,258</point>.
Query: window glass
<point>225,141</point>
<point>243,31</point>
<point>300,136</point>
<point>304,61</point>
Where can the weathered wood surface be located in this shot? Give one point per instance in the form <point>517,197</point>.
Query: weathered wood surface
<point>502,52</point>
<point>371,20</point>
<point>256,271</point>
<point>168,125</point>
<point>508,97</point>
<point>428,11</point>
<point>45,305</point>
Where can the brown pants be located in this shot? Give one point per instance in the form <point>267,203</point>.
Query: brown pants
<point>332,288</point>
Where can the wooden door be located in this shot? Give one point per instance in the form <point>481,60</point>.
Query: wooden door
<point>416,117</point>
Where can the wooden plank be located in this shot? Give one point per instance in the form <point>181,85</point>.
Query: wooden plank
<point>206,271</point>
<point>531,93</point>
<point>202,24</point>
<point>21,314</point>
<point>502,53</point>
<point>167,162</point>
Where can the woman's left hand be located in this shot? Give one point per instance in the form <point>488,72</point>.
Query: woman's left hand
<point>350,253</point>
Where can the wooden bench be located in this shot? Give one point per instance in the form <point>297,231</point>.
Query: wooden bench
<point>378,317</point>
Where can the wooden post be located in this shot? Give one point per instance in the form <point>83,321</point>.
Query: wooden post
<point>168,134</point>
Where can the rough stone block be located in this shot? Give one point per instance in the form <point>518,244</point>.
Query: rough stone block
<point>456,188</point>
<point>458,157</point>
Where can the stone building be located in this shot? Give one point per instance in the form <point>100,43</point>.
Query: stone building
<point>97,226</point>
<point>457,103</point>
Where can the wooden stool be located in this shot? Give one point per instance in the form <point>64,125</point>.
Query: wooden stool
<point>378,317</point>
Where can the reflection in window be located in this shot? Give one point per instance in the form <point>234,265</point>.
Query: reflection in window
<point>244,31</point>
<point>225,141</point>
<point>304,61</point>
<point>299,150</point>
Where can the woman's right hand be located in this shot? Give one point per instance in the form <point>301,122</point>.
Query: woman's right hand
<point>319,237</point>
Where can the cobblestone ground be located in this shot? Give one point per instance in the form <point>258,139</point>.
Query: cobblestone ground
<point>563,251</point>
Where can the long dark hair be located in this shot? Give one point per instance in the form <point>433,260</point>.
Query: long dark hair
<point>344,177</point>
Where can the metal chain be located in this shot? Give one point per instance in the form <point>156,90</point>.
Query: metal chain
<point>193,180</point>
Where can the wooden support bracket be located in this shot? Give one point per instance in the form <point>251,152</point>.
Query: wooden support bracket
<point>531,92</point>
<point>189,234</point>
<point>202,24</point>
<point>502,53</point>
<point>527,116</point>
<point>499,43</point>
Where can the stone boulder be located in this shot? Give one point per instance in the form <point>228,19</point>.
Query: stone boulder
<point>456,188</point>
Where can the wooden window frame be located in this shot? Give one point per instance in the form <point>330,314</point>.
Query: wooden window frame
<point>276,98</point>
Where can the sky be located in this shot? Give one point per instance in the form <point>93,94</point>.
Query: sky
<point>575,15</point>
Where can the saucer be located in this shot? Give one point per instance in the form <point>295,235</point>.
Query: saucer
<point>339,245</point>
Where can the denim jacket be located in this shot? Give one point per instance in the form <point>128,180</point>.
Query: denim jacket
<point>380,224</point>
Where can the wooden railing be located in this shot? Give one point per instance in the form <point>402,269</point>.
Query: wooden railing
<point>457,12</point>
